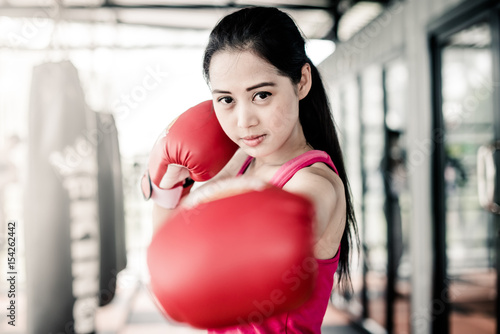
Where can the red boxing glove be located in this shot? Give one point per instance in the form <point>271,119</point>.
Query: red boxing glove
<point>234,259</point>
<point>194,140</point>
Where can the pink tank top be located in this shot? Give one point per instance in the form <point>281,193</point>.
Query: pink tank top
<point>308,317</point>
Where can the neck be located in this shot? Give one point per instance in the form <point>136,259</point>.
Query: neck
<point>295,146</point>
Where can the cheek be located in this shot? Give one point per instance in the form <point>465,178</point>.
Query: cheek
<point>283,117</point>
<point>226,123</point>
<point>277,121</point>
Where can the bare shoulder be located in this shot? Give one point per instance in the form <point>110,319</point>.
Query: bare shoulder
<point>319,182</point>
<point>325,189</point>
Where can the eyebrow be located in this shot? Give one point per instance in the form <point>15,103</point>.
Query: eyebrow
<point>262,84</point>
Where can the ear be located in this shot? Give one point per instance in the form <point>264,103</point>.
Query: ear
<point>304,85</point>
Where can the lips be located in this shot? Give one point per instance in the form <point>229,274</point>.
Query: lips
<point>253,141</point>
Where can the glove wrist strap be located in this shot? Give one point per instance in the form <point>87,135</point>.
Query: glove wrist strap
<point>166,198</point>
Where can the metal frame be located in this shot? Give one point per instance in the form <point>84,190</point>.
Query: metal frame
<point>455,20</point>
<point>364,291</point>
<point>440,324</point>
<point>391,274</point>
<point>336,9</point>
<point>495,25</point>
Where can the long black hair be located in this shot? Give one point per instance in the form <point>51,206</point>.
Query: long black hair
<point>274,36</point>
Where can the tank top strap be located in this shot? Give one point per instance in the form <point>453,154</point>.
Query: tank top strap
<point>288,170</point>
<point>245,166</point>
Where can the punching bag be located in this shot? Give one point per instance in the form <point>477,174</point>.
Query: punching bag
<point>111,211</point>
<point>61,208</point>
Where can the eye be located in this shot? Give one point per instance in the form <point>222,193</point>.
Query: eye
<point>261,96</point>
<point>225,100</point>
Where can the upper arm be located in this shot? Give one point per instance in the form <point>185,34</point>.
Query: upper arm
<point>326,192</point>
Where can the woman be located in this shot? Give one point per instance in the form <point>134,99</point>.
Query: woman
<point>270,100</point>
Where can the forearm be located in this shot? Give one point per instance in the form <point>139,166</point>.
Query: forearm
<point>160,216</point>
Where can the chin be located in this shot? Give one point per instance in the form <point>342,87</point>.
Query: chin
<point>257,152</point>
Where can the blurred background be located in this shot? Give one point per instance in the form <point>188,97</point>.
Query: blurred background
<point>86,87</point>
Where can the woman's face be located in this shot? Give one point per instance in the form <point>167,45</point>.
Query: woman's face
<point>256,106</point>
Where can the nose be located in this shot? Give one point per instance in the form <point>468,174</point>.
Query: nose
<point>246,115</point>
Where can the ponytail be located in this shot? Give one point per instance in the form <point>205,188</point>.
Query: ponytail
<point>320,132</point>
